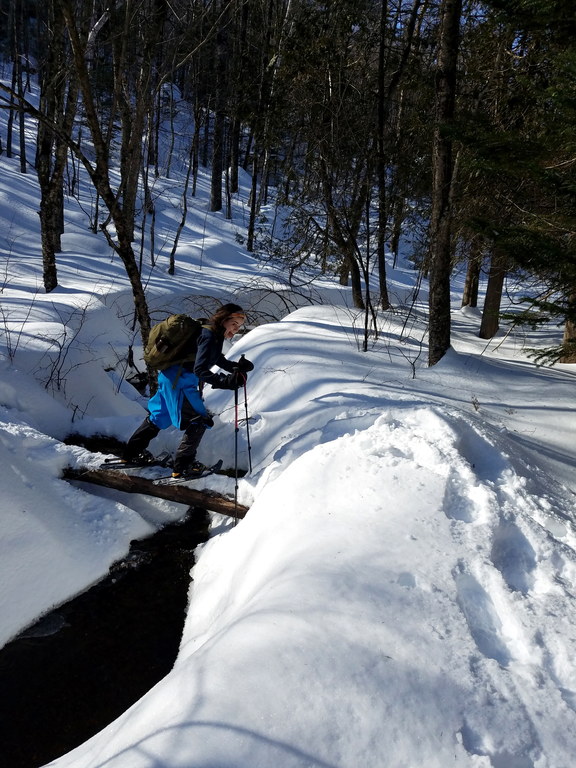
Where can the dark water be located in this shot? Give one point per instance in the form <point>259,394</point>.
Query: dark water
<point>80,667</point>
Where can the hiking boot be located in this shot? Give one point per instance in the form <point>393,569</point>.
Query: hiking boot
<point>192,470</point>
<point>142,459</point>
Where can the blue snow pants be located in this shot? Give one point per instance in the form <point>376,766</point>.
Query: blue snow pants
<point>175,384</point>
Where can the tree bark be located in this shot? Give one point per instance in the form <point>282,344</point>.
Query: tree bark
<point>442,167</point>
<point>58,104</point>
<point>19,51</point>
<point>180,494</point>
<point>490,314</point>
<point>385,96</point>
<point>382,114</point>
<point>251,232</point>
<point>355,280</point>
<point>99,172</point>
<point>470,293</point>
<point>219,113</point>
<point>569,339</point>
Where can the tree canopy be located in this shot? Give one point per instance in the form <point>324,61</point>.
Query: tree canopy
<point>365,118</point>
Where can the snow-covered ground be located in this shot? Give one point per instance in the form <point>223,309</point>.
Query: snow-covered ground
<point>401,592</point>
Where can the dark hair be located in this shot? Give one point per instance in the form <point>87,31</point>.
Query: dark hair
<point>221,315</point>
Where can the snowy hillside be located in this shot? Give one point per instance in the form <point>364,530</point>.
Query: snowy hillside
<point>401,592</point>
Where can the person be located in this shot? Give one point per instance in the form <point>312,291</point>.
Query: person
<point>178,400</point>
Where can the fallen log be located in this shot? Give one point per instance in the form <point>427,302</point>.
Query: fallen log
<point>181,494</point>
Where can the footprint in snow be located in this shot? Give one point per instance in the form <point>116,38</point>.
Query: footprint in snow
<point>514,556</point>
<point>482,618</point>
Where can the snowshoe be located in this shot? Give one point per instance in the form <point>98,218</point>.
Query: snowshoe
<point>195,472</point>
<point>141,461</point>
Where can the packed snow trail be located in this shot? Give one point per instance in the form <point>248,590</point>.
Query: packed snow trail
<point>425,618</point>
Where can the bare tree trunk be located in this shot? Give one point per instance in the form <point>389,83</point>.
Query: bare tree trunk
<point>217,162</point>
<point>133,92</point>
<point>442,167</point>
<point>470,293</point>
<point>569,339</point>
<point>172,261</point>
<point>355,279</point>
<point>206,142</point>
<point>19,49</point>
<point>14,83</point>
<point>219,113</point>
<point>238,86</point>
<point>58,104</point>
<point>490,314</point>
<point>50,235</point>
<point>346,241</point>
<point>385,95</point>
<point>99,172</point>
<point>381,163</point>
<point>253,203</point>
<point>199,116</point>
<point>234,155</point>
<point>398,215</point>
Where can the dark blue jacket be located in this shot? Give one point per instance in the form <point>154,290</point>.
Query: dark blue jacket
<point>209,353</point>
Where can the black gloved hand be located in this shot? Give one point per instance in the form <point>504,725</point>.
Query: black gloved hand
<point>229,381</point>
<point>244,365</point>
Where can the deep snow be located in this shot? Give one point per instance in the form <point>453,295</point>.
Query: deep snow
<point>401,592</point>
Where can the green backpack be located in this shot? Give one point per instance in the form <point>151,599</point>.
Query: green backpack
<point>173,341</point>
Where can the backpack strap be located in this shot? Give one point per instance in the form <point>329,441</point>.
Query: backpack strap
<point>177,379</point>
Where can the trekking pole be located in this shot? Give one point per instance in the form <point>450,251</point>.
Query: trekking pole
<point>247,420</point>
<point>247,428</point>
<point>236,430</point>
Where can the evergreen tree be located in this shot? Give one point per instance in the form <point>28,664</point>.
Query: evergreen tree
<point>519,144</point>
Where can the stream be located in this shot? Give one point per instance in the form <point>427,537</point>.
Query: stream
<point>78,668</point>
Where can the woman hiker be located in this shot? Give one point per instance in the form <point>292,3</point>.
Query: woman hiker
<point>178,400</point>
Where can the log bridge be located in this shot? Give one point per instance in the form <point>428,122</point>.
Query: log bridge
<point>180,494</point>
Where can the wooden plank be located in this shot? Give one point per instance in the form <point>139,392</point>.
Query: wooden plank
<point>181,494</point>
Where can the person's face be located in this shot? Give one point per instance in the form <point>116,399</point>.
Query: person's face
<point>232,325</point>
